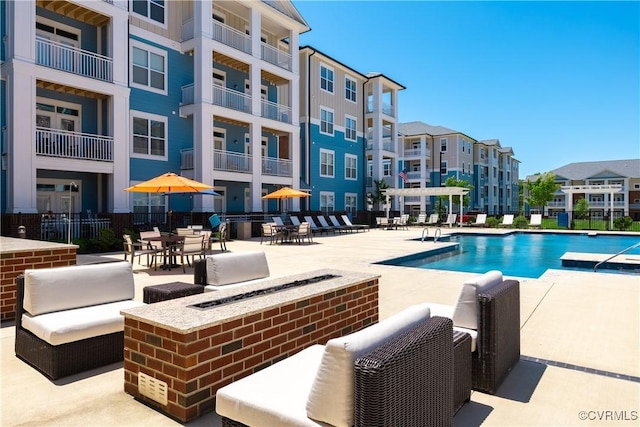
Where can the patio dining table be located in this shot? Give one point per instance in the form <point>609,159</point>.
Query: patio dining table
<point>167,242</point>
<point>287,231</point>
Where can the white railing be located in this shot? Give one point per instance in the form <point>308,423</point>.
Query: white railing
<point>416,152</point>
<point>73,60</point>
<point>188,94</point>
<point>274,111</point>
<point>603,204</point>
<point>58,229</point>
<point>276,56</point>
<point>413,175</point>
<point>231,161</point>
<point>187,29</point>
<point>276,167</point>
<point>231,37</point>
<point>73,145</point>
<point>186,158</point>
<point>120,4</point>
<point>230,98</point>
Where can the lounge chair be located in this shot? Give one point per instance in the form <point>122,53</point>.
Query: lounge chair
<point>340,227</point>
<point>481,220</point>
<point>314,226</point>
<point>422,219</point>
<point>277,220</point>
<point>536,221</point>
<point>433,219</point>
<point>294,220</point>
<point>451,220</point>
<point>507,221</point>
<point>324,224</point>
<point>356,227</point>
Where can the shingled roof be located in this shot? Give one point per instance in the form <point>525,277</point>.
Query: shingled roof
<point>629,168</point>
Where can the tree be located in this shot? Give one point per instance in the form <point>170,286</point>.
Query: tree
<point>453,182</point>
<point>378,197</point>
<point>581,209</point>
<point>541,190</point>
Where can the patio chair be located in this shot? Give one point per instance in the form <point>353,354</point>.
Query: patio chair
<point>340,226</point>
<point>422,219</point>
<point>136,249</point>
<point>183,231</point>
<point>536,221</point>
<point>270,232</point>
<point>220,236</point>
<point>324,224</point>
<point>148,244</point>
<point>314,226</point>
<point>357,227</point>
<point>451,220</point>
<point>191,246</point>
<point>507,221</point>
<point>481,220</point>
<point>404,221</point>
<point>433,219</point>
<point>303,230</point>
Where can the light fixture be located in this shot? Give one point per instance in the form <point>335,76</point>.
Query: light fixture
<point>235,141</point>
<point>72,185</point>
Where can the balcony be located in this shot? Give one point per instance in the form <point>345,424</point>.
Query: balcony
<point>416,152</point>
<point>603,204</point>
<point>277,167</point>
<point>386,146</point>
<point>73,145</point>
<point>222,96</point>
<point>274,111</point>
<point>276,56</point>
<point>73,60</point>
<point>231,161</point>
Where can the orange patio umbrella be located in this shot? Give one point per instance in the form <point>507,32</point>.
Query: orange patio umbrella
<point>169,183</point>
<point>285,193</point>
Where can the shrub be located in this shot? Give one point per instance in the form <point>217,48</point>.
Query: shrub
<point>520,222</point>
<point>622,223</point>
<point>492,221</point>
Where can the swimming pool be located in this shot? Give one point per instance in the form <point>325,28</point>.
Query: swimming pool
<point>517,254</point>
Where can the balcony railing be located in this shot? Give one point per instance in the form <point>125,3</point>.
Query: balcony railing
<point>188,94</point>
<point>415,152</point>
<point>231,161</point>
<point>386,145</point>
<point>186,159</point>
<point>276,56</point>
<point>272,110</point>
<point>230,98</point>
<point>231,37</point>
<point>73,60</point>
<point>73,145</point>
<point>276,167</point>
<point>413,175</point>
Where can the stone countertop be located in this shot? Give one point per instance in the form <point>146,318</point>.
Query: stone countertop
<point>11,244</point>
<point>177,316</point>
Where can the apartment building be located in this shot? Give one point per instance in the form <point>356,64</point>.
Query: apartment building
<point>106,94</point>
<point>431,154</point>
<point>598,183</point>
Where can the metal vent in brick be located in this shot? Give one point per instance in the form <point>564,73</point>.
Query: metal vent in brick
<point>152,388</point>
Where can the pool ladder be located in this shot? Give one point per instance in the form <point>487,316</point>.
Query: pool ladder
<point>595,267</point>
<point>436,234</point>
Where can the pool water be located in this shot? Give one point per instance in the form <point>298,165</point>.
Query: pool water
<point>517,254</point>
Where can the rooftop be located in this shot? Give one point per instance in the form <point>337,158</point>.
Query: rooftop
<point>580,342</point>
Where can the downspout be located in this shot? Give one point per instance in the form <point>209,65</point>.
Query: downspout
<point>308,127</point>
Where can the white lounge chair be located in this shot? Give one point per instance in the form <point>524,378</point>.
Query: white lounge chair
<point>324,224</point>
<point>451,220</point>
<point>433,219</point>
<point>277,220</point>
<point>422,219</point>
<point>314,226</point>
<point>340,227</point>
<point>481,220</point>
<point>356,227</point>
<point>536,221</point>
<point>294,220</point>
<point>507,221</point>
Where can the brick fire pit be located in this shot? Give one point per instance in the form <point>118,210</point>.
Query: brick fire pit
<point>178,353</point>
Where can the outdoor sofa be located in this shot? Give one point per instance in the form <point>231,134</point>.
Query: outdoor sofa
<point>68,318</point>
<point>230,268</point>
<point>398,372</point>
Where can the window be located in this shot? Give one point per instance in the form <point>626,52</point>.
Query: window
<point>482,153</point>
<point>326,202</point>
<point>351,203</point>
<point>326,121</point>
<point>443,168</point>
<point>369,168</point>
<point>350,89</point>
<point>148,208</point>
<point>149,134</point>
<point>326,78</point>
<point>350,128</point>
<point>147,69</point>
<point>153,10</point>
<point>443,145</point>
<point>386,167</point>
<point>350,166</point>
<point>327,164</point>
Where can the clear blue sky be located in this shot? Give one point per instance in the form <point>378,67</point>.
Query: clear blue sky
<point>559,82</point>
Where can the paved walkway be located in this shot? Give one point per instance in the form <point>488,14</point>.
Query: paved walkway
<point>580,345</point>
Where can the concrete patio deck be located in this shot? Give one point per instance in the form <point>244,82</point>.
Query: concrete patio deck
<point>580,342</point>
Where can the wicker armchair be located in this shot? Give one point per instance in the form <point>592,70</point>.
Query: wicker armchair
<point>498,336</point>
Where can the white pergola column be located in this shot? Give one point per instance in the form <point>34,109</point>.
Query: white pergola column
<point>119,123</point>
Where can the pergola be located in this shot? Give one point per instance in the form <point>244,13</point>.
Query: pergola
<point>593,189</point>
<point>429,191</point>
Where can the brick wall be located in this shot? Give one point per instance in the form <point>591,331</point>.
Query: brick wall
<point>13,264</point>
<point>197,364</point>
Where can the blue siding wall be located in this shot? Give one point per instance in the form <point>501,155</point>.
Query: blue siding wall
<point>3,127</point>
<point>339,185</point>
<point>3,30</point>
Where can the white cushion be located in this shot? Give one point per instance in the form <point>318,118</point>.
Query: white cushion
<point>465,314</point>
<point>474,336</point>
<point>232,267</point>
<point>443,310</point>
<point>274,396</point>
<point>53,289</point>
<point>67,326</point>
<point>331,397</point>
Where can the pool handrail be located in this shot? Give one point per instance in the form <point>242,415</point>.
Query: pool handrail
<point>595,267</point>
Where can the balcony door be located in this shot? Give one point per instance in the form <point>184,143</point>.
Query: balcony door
<point>57,45</point>
<point>54,114</point>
